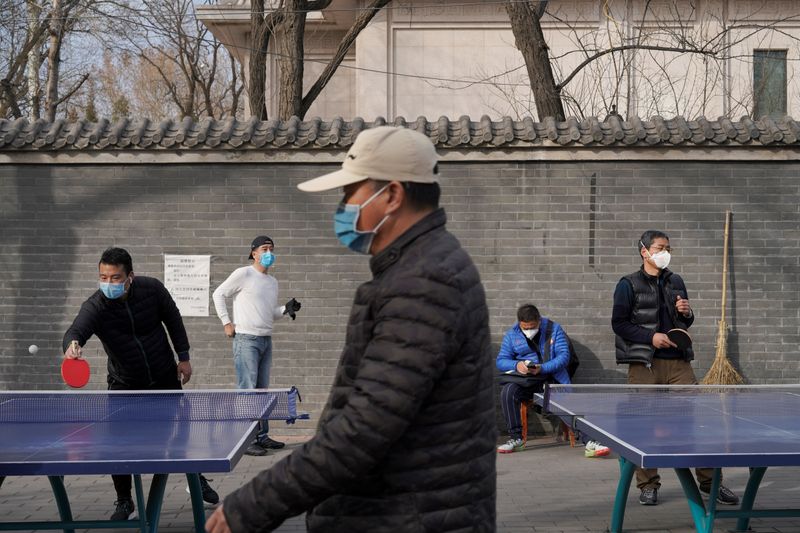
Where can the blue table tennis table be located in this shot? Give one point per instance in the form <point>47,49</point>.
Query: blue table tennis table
<point>684,427</point>
<point>63,433</point>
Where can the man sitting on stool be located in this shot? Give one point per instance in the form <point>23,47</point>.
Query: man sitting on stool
<point>528,359</point>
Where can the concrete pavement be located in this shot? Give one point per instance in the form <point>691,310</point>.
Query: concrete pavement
<point>549,487</point>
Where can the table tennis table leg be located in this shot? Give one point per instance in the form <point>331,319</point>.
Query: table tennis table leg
<point>749,497</point>
<point>62,501</point>
<point>626,470</point>
<point>140,502</point>
<point>155,499</point>
<point>196,493</point>
<point>703,519</point>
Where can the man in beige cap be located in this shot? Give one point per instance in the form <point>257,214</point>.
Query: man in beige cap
<point>406,441</point>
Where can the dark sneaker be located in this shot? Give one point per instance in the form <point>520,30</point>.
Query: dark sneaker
<point>269,444</point>
<point>124,510</point>
<point>726,496</point>
<point>209,494</point>
<point>649,497</point>
<point>255,449</point>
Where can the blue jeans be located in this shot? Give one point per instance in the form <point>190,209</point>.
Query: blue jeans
<point>252,358</point>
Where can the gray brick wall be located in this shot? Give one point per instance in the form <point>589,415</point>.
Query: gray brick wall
<point>556,234</point>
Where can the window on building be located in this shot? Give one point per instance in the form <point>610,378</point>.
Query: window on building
<point>769,83</point>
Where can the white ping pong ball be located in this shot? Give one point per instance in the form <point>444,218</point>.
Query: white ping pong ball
<point>32,349</point>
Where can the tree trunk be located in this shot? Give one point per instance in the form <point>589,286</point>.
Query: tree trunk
<point>290,59</point>
<point>190,109</point>
<point>8,100</point>
<point>261,30</point>
<point>56,32</point>
<point>234,87</point>
<point>203,74</point>
<point>525,23</point>
<point>34,62</point>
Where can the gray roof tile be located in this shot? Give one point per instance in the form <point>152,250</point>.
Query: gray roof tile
<point>315,134</point>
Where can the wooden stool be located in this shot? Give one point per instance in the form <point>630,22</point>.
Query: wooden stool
<point>565,430</point>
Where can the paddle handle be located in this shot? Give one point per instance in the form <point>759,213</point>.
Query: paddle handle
<point>725,263</point>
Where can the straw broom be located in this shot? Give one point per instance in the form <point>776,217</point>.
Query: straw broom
<point>722,371</point>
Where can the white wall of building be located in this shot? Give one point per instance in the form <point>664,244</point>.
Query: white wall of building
<point>456,58</point>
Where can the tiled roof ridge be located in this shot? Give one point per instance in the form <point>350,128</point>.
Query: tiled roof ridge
<point>232,134</point>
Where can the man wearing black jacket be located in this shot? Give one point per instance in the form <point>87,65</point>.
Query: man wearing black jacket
<point>128,314</point>
<point>647,304</point>
<point>407,439</point>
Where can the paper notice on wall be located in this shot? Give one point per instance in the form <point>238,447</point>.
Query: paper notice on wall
<point>187,278</point>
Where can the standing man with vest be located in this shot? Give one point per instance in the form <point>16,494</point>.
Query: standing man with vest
<point>647,304</point>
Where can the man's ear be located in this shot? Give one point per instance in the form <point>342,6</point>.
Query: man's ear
<point>397,196</point>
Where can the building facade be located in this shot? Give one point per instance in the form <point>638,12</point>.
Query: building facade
<point>452,58</point>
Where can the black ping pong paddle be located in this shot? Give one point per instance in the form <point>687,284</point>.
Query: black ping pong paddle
<point>680,337</point>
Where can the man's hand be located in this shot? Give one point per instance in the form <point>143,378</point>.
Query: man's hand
<point>523,368</point>
<point>184,372</point>
<point>660,340</point>
<point>230,329</point>
<point>217,523</point>
<point>73,350</point>
<point>291,307</point>
<point>682,305</point>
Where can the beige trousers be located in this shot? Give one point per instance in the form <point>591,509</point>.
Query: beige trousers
<point>664,372</point>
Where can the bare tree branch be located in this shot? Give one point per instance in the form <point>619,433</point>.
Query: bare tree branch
<point>72,91</point>
<point>614,49</point>
<point>361,22</point>
<point>33,40</point>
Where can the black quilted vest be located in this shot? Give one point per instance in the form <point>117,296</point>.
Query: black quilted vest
<point>646,300</point>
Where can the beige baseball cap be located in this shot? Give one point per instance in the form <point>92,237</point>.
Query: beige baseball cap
<point>382,153</point>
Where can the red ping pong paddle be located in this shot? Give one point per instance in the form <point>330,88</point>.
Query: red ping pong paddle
<point>680,337</point>
<point>75,372</point>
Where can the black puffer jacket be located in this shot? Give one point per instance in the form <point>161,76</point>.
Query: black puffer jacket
<point>407,440</point>
<point>132,332</point>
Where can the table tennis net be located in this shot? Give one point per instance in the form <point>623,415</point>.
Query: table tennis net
<point>675,400</point>
<point>111,406</point>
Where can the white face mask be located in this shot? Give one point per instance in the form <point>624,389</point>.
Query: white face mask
<point>660,259</point>
<point>530,333</point>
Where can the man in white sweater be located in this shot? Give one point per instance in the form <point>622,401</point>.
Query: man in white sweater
<point>255,307</point>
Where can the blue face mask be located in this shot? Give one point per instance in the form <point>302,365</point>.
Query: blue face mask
<point>267,259</point>
<point>345,222</point>
<point>112,291</point>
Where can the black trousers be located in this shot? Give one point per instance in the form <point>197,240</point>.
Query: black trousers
<point>123,482</point>
<point>511,396</point>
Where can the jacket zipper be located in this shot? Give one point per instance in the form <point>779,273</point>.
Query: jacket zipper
<point>144,354</point>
